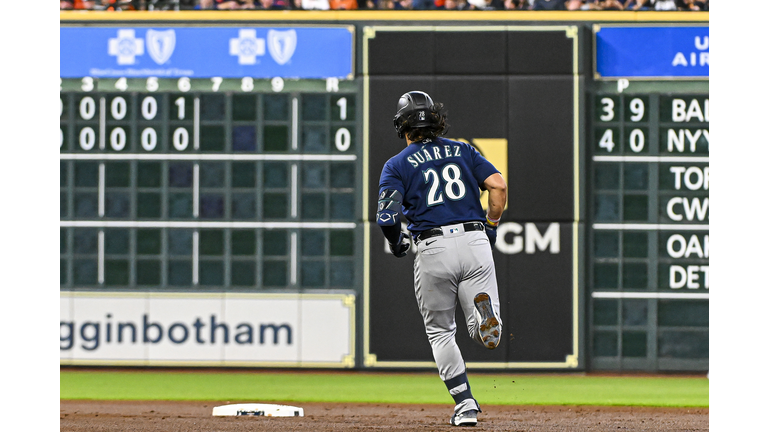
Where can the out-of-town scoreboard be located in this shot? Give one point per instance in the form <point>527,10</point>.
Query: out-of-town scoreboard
<point>649,202</point>
<point>230,170</point>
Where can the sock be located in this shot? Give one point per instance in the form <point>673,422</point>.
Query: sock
<point>458,387</point>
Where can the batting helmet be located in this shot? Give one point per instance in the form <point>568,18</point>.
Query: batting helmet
<point>413,102</point>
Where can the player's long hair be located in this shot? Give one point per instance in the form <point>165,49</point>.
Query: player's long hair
<point>438,118</point>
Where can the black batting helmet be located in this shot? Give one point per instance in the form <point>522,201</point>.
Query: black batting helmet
<point>413,102</point>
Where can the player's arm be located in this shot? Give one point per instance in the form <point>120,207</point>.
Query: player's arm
<point>388,211</point>
<point>497,199</point>
<point>388,218</point>
<point>497,195</point>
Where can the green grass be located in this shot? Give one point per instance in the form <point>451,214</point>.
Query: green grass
<point>489,389</point>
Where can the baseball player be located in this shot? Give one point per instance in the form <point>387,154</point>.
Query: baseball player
<point>436,184</point>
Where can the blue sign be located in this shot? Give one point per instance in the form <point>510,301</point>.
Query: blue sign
<point>227,52</point>
<point>652,52</point>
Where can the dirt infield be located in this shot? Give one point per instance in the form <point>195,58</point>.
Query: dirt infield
<point>166,416</point>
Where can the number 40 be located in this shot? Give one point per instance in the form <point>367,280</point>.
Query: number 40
<point>636,140</point>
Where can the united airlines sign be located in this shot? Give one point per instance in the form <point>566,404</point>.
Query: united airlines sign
<point>652,52</point>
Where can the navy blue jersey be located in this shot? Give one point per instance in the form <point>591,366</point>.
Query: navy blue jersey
<point>440,181</point>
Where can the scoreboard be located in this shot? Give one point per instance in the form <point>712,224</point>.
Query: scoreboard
<point>650,231</point>
<point>250,173</point>
<point>209,183</point>
<point>234,169</point>
<point>649,198</point>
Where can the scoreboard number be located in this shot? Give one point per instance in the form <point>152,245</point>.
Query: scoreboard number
<point>121,84</point>
<point>216,83</point>
<point>246,84</point>
<point>149,108</point>
<point>148,139</point>
<point>343,139</point>
<point>152,84</point>
<point>87,84</point>
<point>606,141</point>
<point>180,139</point>
<point>636,140</point>
<point>277,84</point>
<point>181,104</point>
<point>637,107</point>
<point>119,108</point>
<point>87,108</point>
<point>87,138</point>
<point>184,84</point>
<point>117,139</point>
<point>342,103</point>
<point>608,106</point>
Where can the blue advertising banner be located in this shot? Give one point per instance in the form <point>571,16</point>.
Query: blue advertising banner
<point>227,52</point>
<point>652,52</point>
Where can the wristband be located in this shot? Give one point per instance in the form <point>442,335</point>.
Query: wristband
<point>492,222</point>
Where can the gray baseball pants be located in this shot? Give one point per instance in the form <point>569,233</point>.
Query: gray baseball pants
<point>450,268</point>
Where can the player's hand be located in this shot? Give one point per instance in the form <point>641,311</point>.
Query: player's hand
<point>401,248</point>
<point>490,231</point>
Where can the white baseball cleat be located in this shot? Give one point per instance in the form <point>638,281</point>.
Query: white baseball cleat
<point>467,418</point>
<point>490,330</point>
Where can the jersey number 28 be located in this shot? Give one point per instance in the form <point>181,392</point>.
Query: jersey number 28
<point>453,186</point>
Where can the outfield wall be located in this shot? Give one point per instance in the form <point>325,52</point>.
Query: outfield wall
<point>209,205</point>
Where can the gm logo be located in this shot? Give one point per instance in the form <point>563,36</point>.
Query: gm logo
<point>527,238</point>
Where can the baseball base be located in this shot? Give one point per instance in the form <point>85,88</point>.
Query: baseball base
<point>258,410</point>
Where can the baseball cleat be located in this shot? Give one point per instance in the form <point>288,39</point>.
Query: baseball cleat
<point>467,418</point>
<point>489,322</point>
